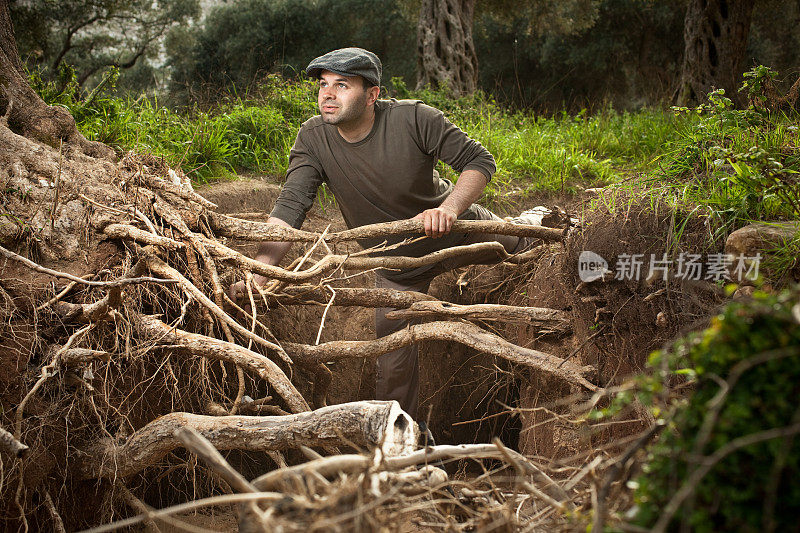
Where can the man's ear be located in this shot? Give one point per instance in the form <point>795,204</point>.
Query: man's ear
<point>372,94</point>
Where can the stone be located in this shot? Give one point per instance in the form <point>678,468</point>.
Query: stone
<point>758,238</point>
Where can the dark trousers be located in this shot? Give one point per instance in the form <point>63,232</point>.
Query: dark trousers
<point>398,371</point>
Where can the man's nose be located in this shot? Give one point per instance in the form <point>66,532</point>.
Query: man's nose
<point>327,93</point>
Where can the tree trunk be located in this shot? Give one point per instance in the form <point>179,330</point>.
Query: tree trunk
<point>445,52</point>
<point>24,112</point>
<point>715,35</point>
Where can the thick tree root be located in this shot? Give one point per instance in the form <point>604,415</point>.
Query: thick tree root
<point>173,339</point>
<point>366,424</point>
<point>549,319</point>
<point>462,333</point>
<point>250,230</point>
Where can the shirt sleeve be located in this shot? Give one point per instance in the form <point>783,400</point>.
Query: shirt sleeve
<point>303,177</point>
<point>446,141</point>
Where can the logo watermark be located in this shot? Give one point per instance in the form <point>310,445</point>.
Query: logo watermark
<point>714,267</point>
<point>591,266</point>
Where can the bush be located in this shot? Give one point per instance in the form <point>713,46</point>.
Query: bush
<point>747,368</point>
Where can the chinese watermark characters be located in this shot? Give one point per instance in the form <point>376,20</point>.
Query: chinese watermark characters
<point>714,267</point>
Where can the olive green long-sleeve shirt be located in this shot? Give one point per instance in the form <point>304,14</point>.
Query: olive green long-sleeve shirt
<point>389,175</point>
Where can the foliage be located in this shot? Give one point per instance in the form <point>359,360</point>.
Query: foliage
<point>742,165</point>
<point>92,35</point>
<point>241,42</point>
<point>746,368</point>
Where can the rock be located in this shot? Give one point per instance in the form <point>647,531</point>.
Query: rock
<point>759,238</point>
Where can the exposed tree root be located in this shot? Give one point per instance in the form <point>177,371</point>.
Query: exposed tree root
<point>236,228</point>
<point>175,340</point>
<point>463,333</point>
<point>11,446</point>
<point>365,424</point>
<point>549,319</point>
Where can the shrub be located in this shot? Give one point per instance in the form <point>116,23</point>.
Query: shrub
<point>747,368</point>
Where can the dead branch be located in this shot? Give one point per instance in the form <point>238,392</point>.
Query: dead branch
<point>183,342</point>
<point>463,333</point>
<point>128,232</point>
<point>552,319</point>
<point>64,275</point>
<point>366,424</point>
<point>137,505</point>
<point>354,463</point>
<point>12,446</point>
<point>250,230</point>
<point>225,499</point>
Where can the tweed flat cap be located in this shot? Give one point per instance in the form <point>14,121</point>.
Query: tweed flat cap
<point>348,62</point>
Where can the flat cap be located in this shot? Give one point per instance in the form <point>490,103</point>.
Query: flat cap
<point>348,62</point>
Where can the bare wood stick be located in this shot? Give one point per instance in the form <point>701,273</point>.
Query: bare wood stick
<point>352,463</point>
<point>463,333</point>
<point>543,317</point>
<point>64,275</point>
<point>126,231</point>
<point>367,424</point>
<point>200,446</point>
<point>179,341</point>
<point>47,373</point>
<point>553,495</point>
<point>174,219</point>
<point>615,471</point>
<point>160,267</point>
<point>12,446</point>
<point>261,231</point>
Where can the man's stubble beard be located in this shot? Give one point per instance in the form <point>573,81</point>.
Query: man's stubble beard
<point>351,113</point>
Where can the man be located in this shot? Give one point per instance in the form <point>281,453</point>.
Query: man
<point>378,158</point>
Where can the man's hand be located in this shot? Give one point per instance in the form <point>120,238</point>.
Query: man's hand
<point>438,221</point>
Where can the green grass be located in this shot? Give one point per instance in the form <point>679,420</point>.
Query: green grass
<point>730,165</point>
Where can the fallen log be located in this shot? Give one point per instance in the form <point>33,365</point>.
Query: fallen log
<point>366,424</point>
<point>151,329</point>
<point>462,333</point>
<point>551,319</point>
<point>250,230</point>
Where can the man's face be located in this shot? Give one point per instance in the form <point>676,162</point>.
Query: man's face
<point>341,99</point>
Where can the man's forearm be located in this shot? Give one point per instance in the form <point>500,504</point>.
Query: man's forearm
<point>466,192</point>
<point>271,252</point>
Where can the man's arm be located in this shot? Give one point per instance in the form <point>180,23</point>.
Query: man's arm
<point>269,252</point>
<point>439,220</point>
